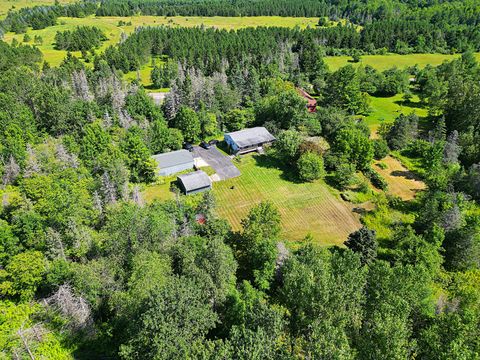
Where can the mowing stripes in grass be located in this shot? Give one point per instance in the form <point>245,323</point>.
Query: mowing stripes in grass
<point>305,207</point>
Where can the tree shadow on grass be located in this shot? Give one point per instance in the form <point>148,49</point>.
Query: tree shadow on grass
<point>288,172</point>
<point>407,174</point>
<point>411,104</point>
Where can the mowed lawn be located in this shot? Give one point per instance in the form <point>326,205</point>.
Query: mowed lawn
<point>305,208</point>
<point>386,109</point>
<point>109,25</point>
<point>384,62</point>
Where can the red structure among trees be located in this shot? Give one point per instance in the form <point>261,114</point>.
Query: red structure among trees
<point>311,102</point>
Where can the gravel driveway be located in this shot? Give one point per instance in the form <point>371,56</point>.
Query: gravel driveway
<point>222,164</point>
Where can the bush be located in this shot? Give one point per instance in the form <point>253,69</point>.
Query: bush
<point>382,165</point>
<point>380,149</point>
<point>376,179</point>
<point>310,166</point>
<point>344,175</point>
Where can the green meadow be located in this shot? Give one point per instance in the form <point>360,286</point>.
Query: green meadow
<point>384,62</point>
<point>6,5</point>
<point>306,208</point>
<point>386,109</point>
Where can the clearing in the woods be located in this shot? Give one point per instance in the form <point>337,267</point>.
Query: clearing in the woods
<point>386,109</point>
<point>401,182</point>
<point>6,5</point>
<point>384,62</point>
<point>306,208</point>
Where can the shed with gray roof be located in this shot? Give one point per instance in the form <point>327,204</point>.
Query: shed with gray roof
<point>247,140</point>
<point>173,162</point>
<point>194,182</point>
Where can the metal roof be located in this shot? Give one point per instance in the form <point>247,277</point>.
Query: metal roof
<point>173,158</point>
<point>251,137</point>
<point>195,180</point>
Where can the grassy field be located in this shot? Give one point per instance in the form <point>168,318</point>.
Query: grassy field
<point>386,109</point>
<point>401,181</point>
<point>305,207</point>
<point>6,5</point>
<point>384,62</point>
<point>110,27</point>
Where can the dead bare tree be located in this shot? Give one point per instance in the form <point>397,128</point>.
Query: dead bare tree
<point>137,196</point>
<point>10,172</point>
<point>73,307</point>
<point>108,189</point>
<point>68,159</point>
<point>80,85</point>
<point>55,244</point>
<point>32,166</point>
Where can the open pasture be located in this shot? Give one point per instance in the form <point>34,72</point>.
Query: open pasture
<point>305,208</point>
<point>384,62</point>
<point>386,109</point>
<point>6,5</point>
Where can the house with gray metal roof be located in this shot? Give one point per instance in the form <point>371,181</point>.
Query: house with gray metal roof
<point>194,182</point>
<point>247,140</point>
<point>173,162</point>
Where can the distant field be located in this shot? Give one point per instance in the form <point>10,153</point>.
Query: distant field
<point>305,207</point>
<point>6,5</point>
<point>386,109</point>
<point>383,62</point>
<point>110,26</point>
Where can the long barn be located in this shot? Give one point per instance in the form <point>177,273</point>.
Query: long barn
<point>173,162</point>
<point>248,140</point>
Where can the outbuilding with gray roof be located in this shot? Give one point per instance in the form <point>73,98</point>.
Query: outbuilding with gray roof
<point>194,182</point>
<point>173,162</point>
<point>247,140</point>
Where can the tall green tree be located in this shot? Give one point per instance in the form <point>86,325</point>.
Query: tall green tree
<point>141,165</point>
<point>188,123</point>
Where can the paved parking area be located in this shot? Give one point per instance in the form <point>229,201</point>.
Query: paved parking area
<point>222,164</point>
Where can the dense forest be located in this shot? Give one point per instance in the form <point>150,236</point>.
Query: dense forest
<point>91,270</point>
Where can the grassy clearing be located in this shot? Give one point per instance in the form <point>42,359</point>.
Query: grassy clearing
<point>384,62</point>
<point>110,26</point>
<point>160,190</point>
<point>401,181</point>
<point>6,5</point>
<point>305,207</point>
<point>386,109</point>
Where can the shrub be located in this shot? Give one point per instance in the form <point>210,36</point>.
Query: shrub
<point>310,166</point>
<point>382,165</point>
<point>380,149</point>
<point>344,175</point>
<point>375,178</point>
